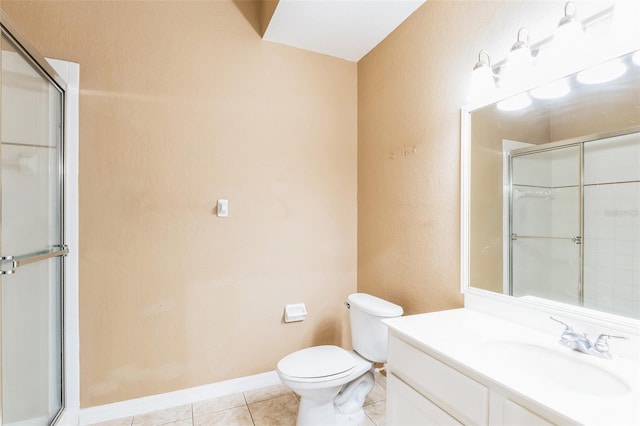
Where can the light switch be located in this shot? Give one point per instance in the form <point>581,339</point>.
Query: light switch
<point>223,208</point>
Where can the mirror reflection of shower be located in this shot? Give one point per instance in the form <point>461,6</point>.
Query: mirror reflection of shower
<point>572,221</point>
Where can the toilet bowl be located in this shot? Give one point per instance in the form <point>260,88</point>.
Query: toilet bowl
<point>332,382</point>
<point>319,374</point>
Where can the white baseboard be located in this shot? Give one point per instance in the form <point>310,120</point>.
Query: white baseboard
<point>68,418</point>
<point>146,404</point>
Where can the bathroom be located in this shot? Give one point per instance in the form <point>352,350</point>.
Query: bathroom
<point>341,177</point>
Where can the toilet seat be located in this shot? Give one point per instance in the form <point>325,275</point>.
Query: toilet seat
<point>317,364</point>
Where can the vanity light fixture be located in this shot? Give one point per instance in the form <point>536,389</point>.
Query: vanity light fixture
<point>566,48</point>
<point>569,33</point>
<point>482,78</point>
<point>557,56</point>
<point>519,65</point>
<point>602,73</point>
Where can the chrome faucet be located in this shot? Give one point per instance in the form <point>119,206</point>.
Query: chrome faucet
<point>581,343</point>
<point>572,340</point>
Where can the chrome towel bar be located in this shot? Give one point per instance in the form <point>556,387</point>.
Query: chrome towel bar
<point>576,240</point>
<point>18,261</point>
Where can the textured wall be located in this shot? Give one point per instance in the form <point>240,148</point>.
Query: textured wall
<point>182,103</point>
<point>410,91</point>
<point>409,95</point>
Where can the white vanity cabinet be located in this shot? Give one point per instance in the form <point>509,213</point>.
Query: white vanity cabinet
<point>464,367</point>
<point>462,398</point>
<point>422,390</point>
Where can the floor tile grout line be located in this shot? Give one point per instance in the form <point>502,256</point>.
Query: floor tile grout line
<point>248,409</point>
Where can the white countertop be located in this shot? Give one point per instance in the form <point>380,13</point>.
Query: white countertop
<point>528,363</point>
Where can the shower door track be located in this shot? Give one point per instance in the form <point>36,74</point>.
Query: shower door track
<point>573,141</point>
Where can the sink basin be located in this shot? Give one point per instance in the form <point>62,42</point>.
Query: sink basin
<point>560,366</point>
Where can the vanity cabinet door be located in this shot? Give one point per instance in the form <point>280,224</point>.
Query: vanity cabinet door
<point>462,397</point>
<point>406,407</point>
<point>516,414</point>
<point>504,411</point>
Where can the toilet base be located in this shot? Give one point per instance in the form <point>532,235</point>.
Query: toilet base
<point>350,419</point>
<point>315,413</point>
<point>335,405</point>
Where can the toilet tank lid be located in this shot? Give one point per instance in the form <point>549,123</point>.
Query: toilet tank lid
<point>374,305</point>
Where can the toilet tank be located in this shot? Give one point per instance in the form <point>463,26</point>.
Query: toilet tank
<point>368,333</point>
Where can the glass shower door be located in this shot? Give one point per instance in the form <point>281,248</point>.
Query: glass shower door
<point>545,254</point>
<point>612,225</point>
<point>31,242</point>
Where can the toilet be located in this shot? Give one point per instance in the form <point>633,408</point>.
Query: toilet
<point>332,382</point>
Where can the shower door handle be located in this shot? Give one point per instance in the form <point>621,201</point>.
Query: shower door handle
<point>18,261</point>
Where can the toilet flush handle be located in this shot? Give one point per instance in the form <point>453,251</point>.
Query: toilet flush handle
<point>347,305</point>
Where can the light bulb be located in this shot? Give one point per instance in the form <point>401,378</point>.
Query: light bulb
<point>518,69</point>
<point>567,51</point>
<point>555,89</point>
<point>602,73</point>
<point>482,82</point>
<point>569,35</point>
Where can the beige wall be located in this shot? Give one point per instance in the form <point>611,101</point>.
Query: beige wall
<point>408,167</point>
<point>182,103</point>
<point>410,91</point>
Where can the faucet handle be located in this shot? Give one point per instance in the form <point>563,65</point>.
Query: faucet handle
<point>602,342</point>
<point>567,326</point>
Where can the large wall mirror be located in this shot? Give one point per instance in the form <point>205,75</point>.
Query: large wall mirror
<point>552,196</point>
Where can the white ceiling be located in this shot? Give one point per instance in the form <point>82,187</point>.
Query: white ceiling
<point>347,29</point>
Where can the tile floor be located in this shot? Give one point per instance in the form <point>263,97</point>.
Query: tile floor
<point>271,406</point>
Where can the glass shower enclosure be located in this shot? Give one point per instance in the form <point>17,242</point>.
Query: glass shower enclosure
<point>32,244</point>
<point>574,222</point>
